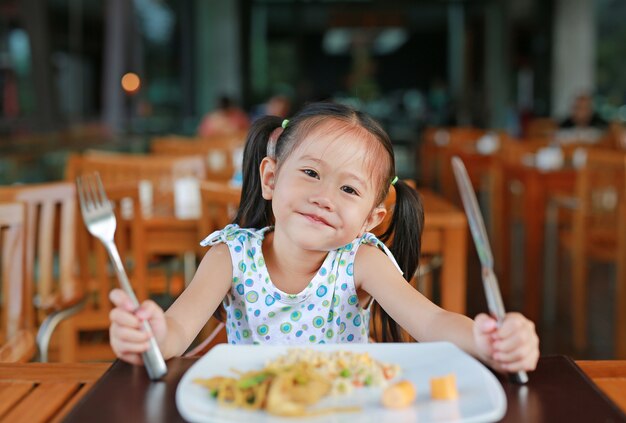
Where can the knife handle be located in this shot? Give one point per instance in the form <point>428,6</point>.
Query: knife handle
<point>519,378</point>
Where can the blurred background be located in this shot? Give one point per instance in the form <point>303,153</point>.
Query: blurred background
<point>485,63</point>
<point>508,78</point>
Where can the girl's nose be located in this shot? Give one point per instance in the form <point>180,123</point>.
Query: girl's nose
<point>322,199</point>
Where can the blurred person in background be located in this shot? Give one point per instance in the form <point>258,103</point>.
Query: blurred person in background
<point>583,115</point>
<point>583,125</point>
<point>226,119</point>
<point>277,105</point>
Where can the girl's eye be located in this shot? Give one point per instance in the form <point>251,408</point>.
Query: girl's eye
<point>311,173</point>
<point>349,190</point>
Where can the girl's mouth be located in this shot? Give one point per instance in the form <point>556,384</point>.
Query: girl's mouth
<point>316,219</point>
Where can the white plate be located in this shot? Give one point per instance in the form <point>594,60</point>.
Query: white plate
<point>481,397</point>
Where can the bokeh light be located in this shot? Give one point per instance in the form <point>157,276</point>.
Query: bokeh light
<point>131,83</point>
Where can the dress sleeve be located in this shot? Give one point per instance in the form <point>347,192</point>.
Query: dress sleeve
<point>219,235</point>
<point>371,239</point>
<point>231,232</point>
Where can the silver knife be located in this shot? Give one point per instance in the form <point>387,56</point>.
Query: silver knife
<point>479,234</point>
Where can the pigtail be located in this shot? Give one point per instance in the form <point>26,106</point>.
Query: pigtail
<point>405,234</point>
<point>254,211</point>
<point>406,226</point>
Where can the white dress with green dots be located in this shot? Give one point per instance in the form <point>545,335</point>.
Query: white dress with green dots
<point>326,311</point>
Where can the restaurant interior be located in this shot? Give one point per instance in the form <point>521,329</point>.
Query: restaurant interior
<point>157,97</point>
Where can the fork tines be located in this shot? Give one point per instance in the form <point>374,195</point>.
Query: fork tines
<point>91,193</point>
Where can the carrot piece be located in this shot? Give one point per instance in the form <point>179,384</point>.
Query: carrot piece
<point>444,388</point>
<point>399,395</point>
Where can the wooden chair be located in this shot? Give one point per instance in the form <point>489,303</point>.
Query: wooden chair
<point>219,203</point>
<point>434,142</point>
<point>235,138</point>
<point>541,127</point>
<point>85,334</point>
<point>479,165</point>
<point>17,328</point>
<point>50,244</point>
<point>599,233</point>
<point>513,152</point>
<point>618,136</point>
<point>484,168</point>
<point>160,173</point>
<point>219,154</point>
<point>506,196</point>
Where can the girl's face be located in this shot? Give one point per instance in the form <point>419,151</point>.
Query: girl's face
<point>323,194</point>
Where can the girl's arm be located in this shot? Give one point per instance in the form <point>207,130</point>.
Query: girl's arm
<point>195,305</point>
<point>421,318</point>
<point>511,347</point>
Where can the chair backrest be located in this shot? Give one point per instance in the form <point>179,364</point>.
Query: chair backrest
<point>96,275</point>
<point>220,154</point>
<point>541,127</point>
<point>17,339</point>
<point>444,136</point>
<point>219,203</point>
<point>50,241</point>
<point>159,172</point>
<point>123,167</point>
<point>235,139</point>
<point>437,140</point>
<point>517,151</point>
<point>16,295</point>
<point>601,190</point>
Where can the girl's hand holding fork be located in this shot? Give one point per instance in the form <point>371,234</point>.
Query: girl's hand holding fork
<point>127,335</point>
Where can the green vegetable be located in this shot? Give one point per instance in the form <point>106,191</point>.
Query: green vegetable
<point>368,380</point>
<point>345,373</point>
<point>252,380</point>
<point>301,379</point>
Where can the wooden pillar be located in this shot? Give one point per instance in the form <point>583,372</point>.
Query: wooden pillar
<point>497,70</point>
<point>33,14</point>
<point>218,52</point>
<point>456,61</point>
<point>573,53</point>
<point>118,13</point>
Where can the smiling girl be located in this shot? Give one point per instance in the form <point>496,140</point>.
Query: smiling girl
<point>299,265</point>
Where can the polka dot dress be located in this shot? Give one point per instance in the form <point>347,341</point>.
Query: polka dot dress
<point>326,311</point>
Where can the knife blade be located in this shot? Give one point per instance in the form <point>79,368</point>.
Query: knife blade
<point>481,241</point>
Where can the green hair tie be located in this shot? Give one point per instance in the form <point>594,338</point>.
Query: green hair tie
<point>285,122</point>
<point>393,182</point>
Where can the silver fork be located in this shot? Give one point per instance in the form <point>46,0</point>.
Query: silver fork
<point>100,220</point>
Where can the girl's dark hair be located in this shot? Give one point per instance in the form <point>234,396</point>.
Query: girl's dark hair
<point>403,235</point>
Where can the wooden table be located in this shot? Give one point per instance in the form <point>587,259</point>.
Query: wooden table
<point>539,187</point>
<point>37,392</point>
<point>610,376</point>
